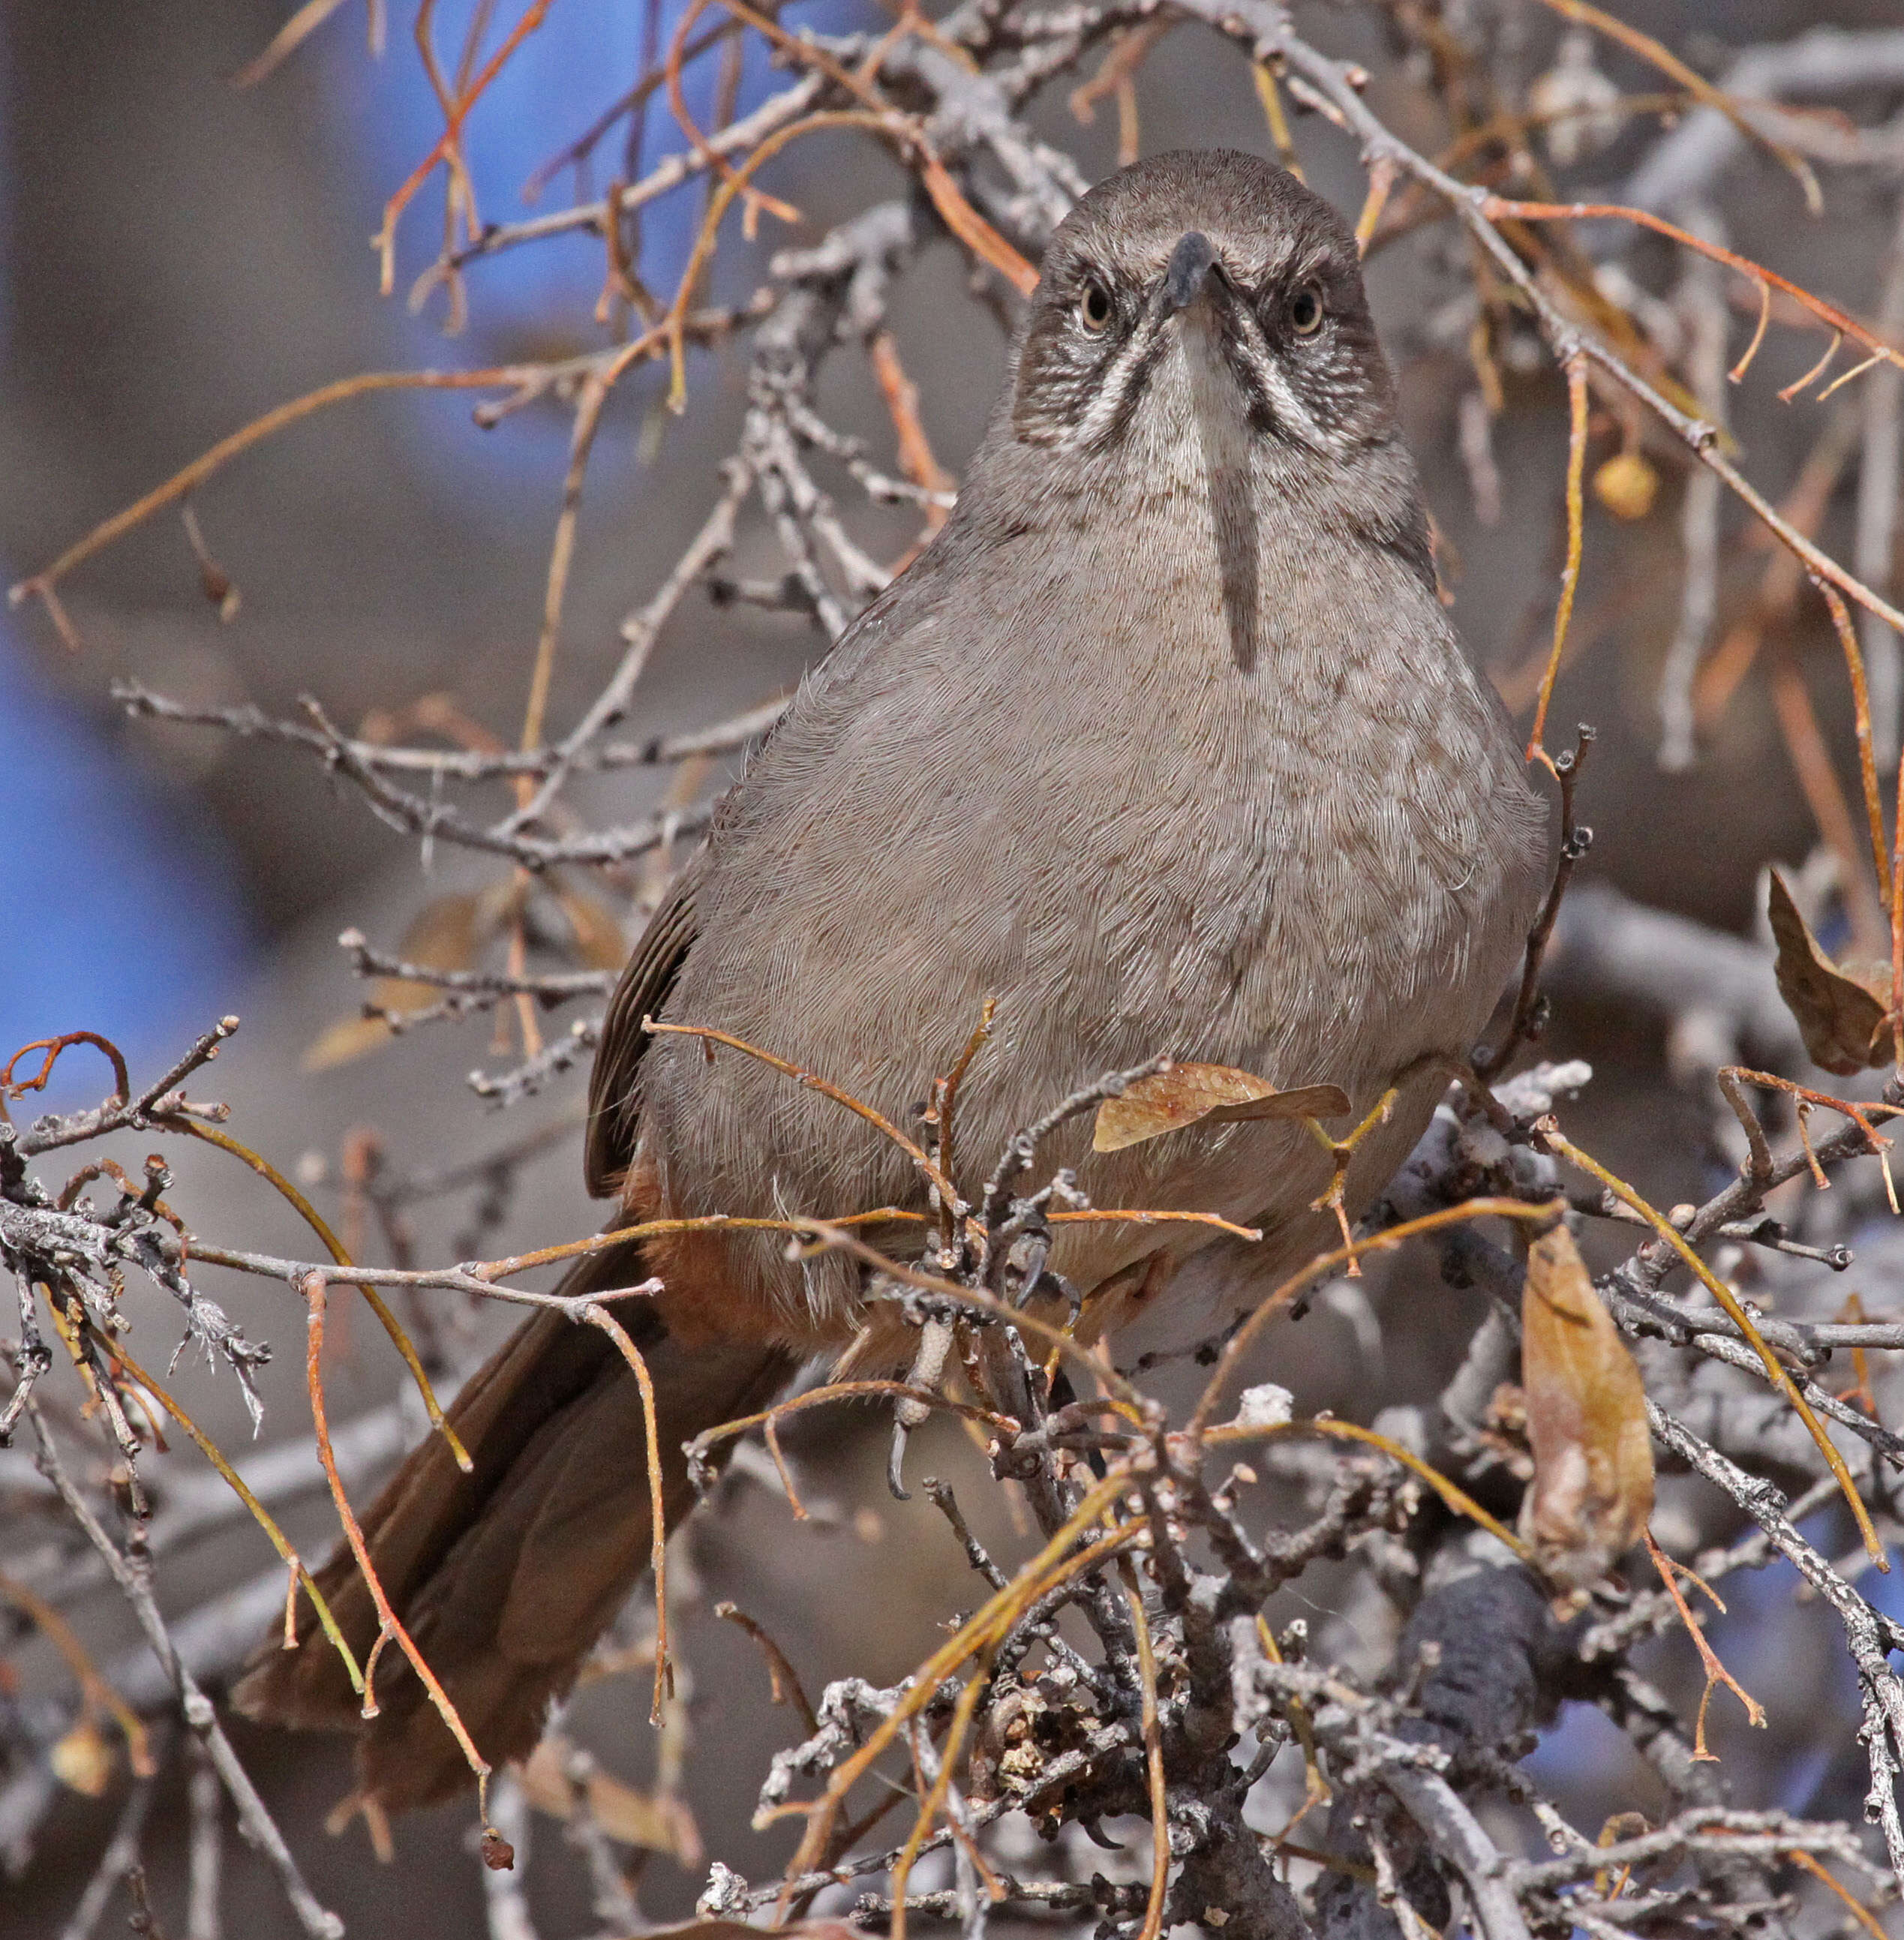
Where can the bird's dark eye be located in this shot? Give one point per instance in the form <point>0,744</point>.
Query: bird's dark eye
<point>1306,310</point>
<point>1094,307</point>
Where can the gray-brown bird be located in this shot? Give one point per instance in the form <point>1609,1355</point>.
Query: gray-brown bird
<point>1166,745</point>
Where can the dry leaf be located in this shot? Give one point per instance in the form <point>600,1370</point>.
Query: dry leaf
<point>599,940</point>
<point>1592,1496</point>
<point>1195,1094</point>
<point>655,1824</point>
<point>445,934</point>
<point>1841,1013</point>
<point>82,1760</point>
<point>338,1043</point>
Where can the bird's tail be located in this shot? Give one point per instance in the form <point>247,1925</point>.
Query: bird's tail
<point>505,1577</point>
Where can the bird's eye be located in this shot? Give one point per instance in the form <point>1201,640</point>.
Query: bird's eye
<point>1306,310</point>
<point>1094,307</point>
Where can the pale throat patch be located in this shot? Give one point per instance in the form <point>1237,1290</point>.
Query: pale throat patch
<point>1220,412</point>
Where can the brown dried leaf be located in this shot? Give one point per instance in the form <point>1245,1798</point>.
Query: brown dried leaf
<point>445,934</point>
<point>1195,1094</point>
<point>348,1038</point>
<point>545,1782</point>
<point>1592,1496</point>
<point>658,1824</point>
<point>1843,1015</point>
<point>599,940</point>
<point>655,1824</point>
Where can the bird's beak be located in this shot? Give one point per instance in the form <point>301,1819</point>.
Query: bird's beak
<point>1193,270</point>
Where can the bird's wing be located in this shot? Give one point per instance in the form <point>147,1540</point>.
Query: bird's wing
<point>820,717</point>
<point>645,984</point>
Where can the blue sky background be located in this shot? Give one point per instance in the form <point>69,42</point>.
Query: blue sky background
<point>117,915</point>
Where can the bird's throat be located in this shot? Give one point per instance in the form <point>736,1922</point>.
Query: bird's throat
<point>1219,413</point>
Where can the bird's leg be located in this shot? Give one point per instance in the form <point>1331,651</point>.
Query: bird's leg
<point>1480,1095</point>
<point>928,1368</point>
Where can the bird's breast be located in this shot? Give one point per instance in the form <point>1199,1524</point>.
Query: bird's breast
<point>1065,790</point>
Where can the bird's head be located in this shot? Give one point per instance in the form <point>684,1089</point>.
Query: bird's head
<point>1202,292</point>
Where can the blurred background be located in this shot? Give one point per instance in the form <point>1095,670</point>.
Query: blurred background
<point>178,255</point>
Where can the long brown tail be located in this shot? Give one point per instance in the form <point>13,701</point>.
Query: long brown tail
<point>506,1576</point>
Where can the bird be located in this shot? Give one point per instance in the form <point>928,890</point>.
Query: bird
<point>1164,746</point>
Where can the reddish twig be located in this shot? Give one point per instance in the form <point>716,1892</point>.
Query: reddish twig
<point>388,1628</point>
